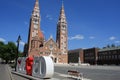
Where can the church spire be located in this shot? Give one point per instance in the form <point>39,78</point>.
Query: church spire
<point>36,11</point>
<point>62,17</point>
<point>36,19</point>
<point>61,37</point>
<point>35,36</point>
<point>36,6</point>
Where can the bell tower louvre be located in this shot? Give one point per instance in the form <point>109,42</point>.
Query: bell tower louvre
<point>35,36</point>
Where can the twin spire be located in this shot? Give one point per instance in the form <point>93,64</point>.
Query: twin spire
<point>62,17</point>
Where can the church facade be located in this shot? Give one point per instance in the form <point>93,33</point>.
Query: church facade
<point>37,46</point>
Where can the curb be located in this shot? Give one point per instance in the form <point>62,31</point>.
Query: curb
<point>24,75</point>
<point>31,77</point>
<point>9,70</point>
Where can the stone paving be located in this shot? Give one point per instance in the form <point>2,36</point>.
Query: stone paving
<point>12,75</point>
<point>56,76</point>
<point>4,72</point>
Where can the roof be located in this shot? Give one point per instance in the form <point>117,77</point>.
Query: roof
<point>75,50</point>
<point>109,49</point>
<point>40,34</point>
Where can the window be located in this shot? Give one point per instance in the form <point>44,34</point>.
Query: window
<point>99,57</point>
<point>112,56</point>
<point>115,56</point>
<point>41,45</point>
<point>41,52</point>
<point>109,57</point>
<point>64,47</point>
<point>114,52</point>
<point>119,56</point>
<point>51,45</point>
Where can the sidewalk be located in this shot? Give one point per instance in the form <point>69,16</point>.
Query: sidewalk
<point>5,73</point>
<point>56,76</point>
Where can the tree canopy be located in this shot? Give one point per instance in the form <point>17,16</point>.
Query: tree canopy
<point>8,51</point>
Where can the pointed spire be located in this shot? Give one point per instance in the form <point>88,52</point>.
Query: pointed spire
<point>62,17</point>
<point>36,8</point>
<point>36,4</point>
<point>36,18</point>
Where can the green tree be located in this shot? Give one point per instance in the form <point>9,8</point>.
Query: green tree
<point>20,54</point>
<point>1,48</point>
<point>108,46</point>
<point>113,45</point>
<point>9,52</point>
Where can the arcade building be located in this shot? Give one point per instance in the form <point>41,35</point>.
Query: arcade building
<point>38,46</point>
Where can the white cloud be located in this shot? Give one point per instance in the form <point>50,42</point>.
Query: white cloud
<point>112,38</point>
<point>76,37</point>
<point>2,39</point>
<point>49,17</point>
<point>117,41</point>
<point>92,37</point>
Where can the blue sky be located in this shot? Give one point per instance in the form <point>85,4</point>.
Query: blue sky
<point>91,23</point>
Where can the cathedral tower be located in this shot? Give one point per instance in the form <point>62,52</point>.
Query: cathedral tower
<point>61,37</point>
<point>35,36</point>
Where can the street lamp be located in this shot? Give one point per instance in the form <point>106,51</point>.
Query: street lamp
<point>18,41</point>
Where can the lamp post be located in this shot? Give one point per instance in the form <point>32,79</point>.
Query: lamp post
<point>18,41</point>
<point>79,61</point>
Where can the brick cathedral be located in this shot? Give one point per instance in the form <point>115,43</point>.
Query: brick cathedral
<point>37,46</point>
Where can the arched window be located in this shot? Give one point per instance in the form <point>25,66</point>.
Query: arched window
<point>41,44</point>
